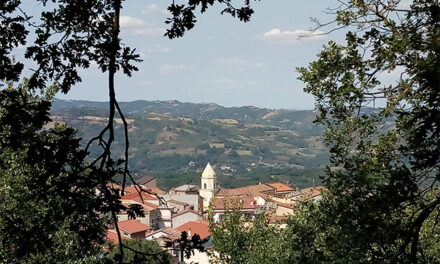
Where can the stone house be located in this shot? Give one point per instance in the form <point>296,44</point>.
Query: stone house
<point>133,229</point>
<point>184,217</point>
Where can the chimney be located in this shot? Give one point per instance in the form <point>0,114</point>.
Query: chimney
<point>189,233</point>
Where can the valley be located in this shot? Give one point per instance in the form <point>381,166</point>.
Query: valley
<point>174,140</point>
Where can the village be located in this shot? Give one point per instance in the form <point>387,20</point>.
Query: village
<point>184,209</point>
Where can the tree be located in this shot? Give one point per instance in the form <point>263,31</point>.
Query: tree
<point>49,211</point>
<point>69,37</point>
<point>156,255</point>
<point>239,240</point>
<point>383,201</point>
<point>384,138</point>
<point>186,245</point>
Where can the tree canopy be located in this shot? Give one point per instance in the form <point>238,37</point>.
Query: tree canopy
<point>378,94</point>
<point>156,255</point>
<point>49,211</point>
<point>383,200</point>
<point>384,136</point>
<point>45,176</point>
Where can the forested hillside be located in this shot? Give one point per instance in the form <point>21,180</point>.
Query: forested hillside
<point>174,140</point>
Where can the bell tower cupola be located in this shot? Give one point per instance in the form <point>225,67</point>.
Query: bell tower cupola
<point>209,185</point>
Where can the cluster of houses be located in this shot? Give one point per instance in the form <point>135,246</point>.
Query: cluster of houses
<point>184,208</point>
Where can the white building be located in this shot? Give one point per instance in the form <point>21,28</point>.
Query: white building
<point>209,186</point>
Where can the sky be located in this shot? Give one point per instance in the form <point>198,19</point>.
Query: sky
<point>222,60</point>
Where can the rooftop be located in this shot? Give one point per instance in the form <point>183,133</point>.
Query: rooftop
<point>112,236</point>
<point>144,180</point>
<point>156,190</point>
<point>170,232</point>
<point>208,172</point>
<point>199,227</point>
<point>145,205</point>
<point>251,191</point>
<point>133,196</point>
<point>135,189</point>
<point>286,205</point>
<point>234,202</point>
<point>311,192</point>
<point>133,226</point>
<point>190,199</point>
<point>186,188</point>
<point>185,212</point>
<point>280,187</point>
<point>177,202</point>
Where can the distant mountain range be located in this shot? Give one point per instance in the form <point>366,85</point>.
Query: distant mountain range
<point>174,140</point>
<point>135,109</point>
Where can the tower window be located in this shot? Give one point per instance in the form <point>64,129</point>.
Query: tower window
<point>204,186</point>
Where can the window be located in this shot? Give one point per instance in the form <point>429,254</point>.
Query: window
<point>204,186</point>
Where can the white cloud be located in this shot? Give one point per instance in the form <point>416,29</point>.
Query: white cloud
<point>154,9</point>
<point>238,63</point>
<point>150,31</point>
<point>171,68</point>
<point>279,36</point>
<point>148,52</point>
<point>135,26</point>
<point>129,22</point>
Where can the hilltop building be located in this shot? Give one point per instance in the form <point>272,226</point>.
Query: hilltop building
<point>209,185</point>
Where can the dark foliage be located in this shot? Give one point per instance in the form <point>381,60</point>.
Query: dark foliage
<point>50,211</point>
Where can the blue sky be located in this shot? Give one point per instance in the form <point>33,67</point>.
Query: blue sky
<point>221,60</point>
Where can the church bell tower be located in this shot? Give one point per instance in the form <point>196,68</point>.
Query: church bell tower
<point>209,185</point>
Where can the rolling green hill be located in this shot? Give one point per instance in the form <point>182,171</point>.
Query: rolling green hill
<point>175,140</point>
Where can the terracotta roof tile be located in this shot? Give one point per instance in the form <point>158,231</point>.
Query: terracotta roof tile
<point>131,189</point>
<point>199,227</point>
<point>311,192</point>
<point>252,191</point>
<point>280,187</point>
<point>172,233</point>
<point>133,226</point>
<point>287,205</point>
<point>156,190</point>
<point>264,196</point>
<point>144,201</point>
<point>231,202</point>
<point>133,196</point>
<point>135,189</point>
<point>148,207</point>
<point>112,236</point>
